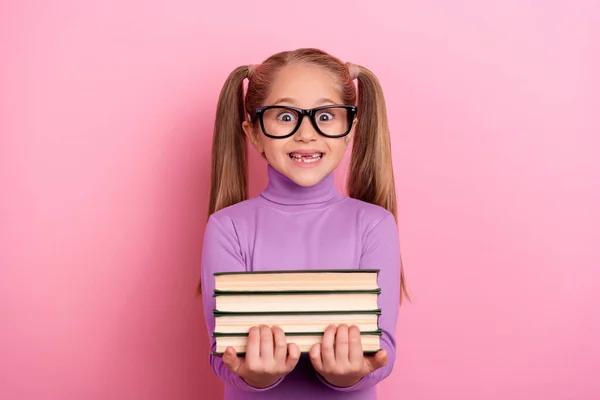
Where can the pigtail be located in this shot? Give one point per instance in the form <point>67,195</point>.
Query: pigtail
<point>229,182</point>
<point>229,159</point>
<point>371,175</point>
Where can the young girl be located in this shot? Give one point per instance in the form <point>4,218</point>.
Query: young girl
<point>301,112</point>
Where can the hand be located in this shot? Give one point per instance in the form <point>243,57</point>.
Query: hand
<point>340,359</point>
<point>268,357</point>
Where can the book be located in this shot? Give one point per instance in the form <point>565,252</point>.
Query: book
<point>304,341</point>
<point>296,301</point>
<point>285,280</point>
<point>294,322</point>
<point>301,302</point>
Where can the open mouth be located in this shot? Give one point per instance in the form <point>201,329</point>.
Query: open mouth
<point>306,157</point>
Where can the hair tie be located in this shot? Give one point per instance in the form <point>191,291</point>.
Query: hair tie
<point>251,69</point>
<point>353,70</point>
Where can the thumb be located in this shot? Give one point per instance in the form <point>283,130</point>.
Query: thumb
<point>293,356</point>
<point>376,361</point>
<point>231,359</point>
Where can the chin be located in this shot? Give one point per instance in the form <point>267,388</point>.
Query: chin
<point>303,175</point>
<point>307,178</point>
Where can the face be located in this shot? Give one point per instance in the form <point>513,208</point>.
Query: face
<point>306,157</point>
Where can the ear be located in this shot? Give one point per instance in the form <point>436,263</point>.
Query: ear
<point>253,135</point>
<point>349,137</point>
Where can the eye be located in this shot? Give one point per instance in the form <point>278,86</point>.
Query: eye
<point>325,116</point>
<point>286,116</point>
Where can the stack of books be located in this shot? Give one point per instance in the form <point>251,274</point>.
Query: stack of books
<point>301,302</point>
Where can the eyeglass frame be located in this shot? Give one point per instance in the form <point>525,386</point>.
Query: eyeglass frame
<point>310,112</point>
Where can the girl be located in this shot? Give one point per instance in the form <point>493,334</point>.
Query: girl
<point>300,112</point>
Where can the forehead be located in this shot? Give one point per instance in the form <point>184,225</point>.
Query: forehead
<point>303,85</point>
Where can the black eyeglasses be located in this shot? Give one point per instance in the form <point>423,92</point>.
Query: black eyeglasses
<point>332,121</point>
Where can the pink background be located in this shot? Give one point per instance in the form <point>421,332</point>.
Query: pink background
<point>106,119</point>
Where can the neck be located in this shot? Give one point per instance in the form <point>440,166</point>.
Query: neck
<point>283,190</point>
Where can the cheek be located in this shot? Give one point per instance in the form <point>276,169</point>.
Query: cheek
<point>274,148</point>
<point>337,147</point>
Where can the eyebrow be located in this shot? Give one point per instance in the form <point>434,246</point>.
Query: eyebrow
<point>290,100</point>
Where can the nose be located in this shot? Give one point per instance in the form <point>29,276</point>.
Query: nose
<point>306,132</point>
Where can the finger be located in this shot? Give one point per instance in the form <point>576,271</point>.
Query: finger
<point>253,346</point>
<point>315,357</point>
<point>355,345</point>
<point>266,343</point>
<point>231,360</point>
<point>341,344</point>
<point>292,357</point>
<point>327,347</point>
<point>374,362</point>
<point>280,340</point>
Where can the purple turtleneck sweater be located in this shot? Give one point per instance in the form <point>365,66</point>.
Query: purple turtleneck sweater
<point>292,227</point>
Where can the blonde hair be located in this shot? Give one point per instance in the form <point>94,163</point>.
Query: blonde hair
<point>370,177</point>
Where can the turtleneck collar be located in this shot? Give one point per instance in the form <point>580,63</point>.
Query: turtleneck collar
<point>282,190</point>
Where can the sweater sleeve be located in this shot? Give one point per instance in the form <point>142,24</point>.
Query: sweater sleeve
<point>221,252</point>
<point>381,250</point>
